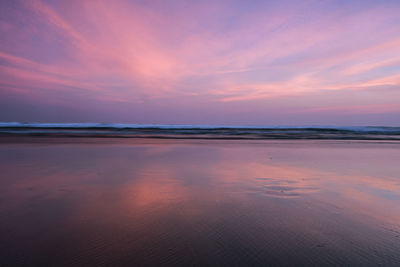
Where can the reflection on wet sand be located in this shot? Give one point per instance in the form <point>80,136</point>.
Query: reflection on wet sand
<point>200,203</point>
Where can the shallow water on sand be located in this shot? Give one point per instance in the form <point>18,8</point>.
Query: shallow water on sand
<point>124,202</point>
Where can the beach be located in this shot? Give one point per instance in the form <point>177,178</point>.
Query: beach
<point>151,202</point>
<point>199,133</point>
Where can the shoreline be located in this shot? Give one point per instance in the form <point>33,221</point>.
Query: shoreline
<point>15,139</point>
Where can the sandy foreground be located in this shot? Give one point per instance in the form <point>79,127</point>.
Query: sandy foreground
<point>146,202</point>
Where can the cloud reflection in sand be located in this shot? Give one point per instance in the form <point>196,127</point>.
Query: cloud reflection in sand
<point>195,197</point>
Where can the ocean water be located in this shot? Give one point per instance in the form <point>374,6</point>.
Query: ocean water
<point>194,202</point>
<point>199,131</point>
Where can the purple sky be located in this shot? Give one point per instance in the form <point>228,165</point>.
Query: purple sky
<point>201,62</point>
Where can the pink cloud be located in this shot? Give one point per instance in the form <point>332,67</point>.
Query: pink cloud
<point>129,52</point>
<point>354,109</point>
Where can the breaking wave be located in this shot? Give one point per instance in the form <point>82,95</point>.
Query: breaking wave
<point>199,131</point>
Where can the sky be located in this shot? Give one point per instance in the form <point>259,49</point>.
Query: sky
<point>331,62</point>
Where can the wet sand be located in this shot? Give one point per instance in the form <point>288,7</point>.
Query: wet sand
<point>146,202</point>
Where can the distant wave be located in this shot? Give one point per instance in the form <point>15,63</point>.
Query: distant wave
<point>199,131</point>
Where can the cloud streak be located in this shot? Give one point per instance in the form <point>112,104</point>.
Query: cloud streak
<point>218,52</point>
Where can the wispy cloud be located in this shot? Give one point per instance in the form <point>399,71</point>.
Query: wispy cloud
<point>220,51</point>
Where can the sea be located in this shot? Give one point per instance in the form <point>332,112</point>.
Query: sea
<point>199,131</point>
